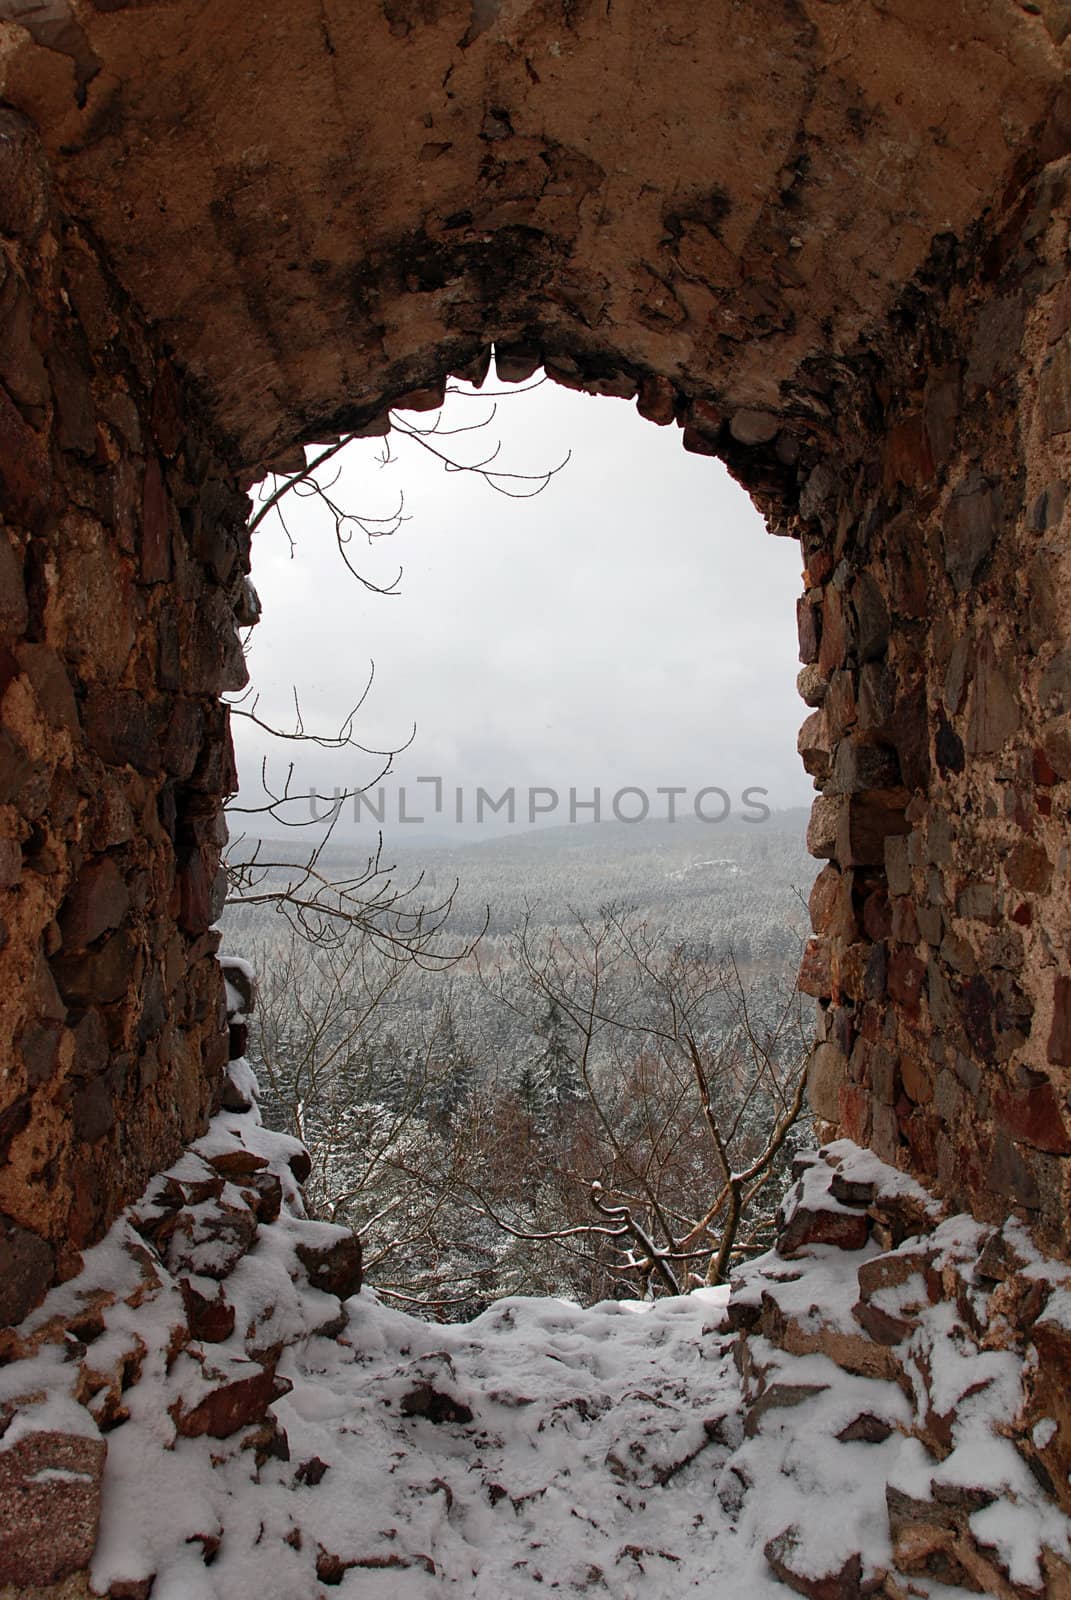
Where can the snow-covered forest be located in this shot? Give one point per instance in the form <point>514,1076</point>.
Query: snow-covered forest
<point>586,1082</point>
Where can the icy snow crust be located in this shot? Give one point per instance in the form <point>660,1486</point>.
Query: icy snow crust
<point>635,1451</point>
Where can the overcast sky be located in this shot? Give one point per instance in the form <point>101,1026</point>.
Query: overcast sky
<point>630,626</point>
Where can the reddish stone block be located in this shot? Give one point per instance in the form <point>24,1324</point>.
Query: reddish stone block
<point>429,398</point>
<point>168,427</point>
<point>210,1319</point>
<point>24,178</point>
<point>877,915</point>
<point>1032,1114</point>
<point>51,684</point>
<point>120,727</point>
<point>830,905</point>
<point>1028,868</point>
<point>155,526</point>
<point>263,1193</point>
<point>50,1487</point>
<point>814,745</point>
<point>865,822</point>
<point>833,632</point>
<point>657,401</point>
<point>334,1267</point>
<point>233,1405</point>
<point>516,363</point>
<point>25,470</point>
<point>845,1583</point>
<point>815,976</point>
<point>855,1113</point>
<point>13,612</point>
<point>819,568</point>
<point>75,419</point>
<point>807,627</point>
<point>237,1163</point>
<point>847,1230</point>
<point>917,1078</point>
<point>1059,1050</point>
<point>27,1265</point>
<point>976,1008</point>
<point>905,977</point>
<point>849,968</point>
<point>698,444</point>
<point>908,457</point>
<point>98,901</point>
<point>972,523</point>
<point>300,1164</point>
<point>209,1241</point>
<point>201,893</point>
<point>824,825</point>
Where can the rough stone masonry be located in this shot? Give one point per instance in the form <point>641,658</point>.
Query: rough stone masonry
<point>829,241</point>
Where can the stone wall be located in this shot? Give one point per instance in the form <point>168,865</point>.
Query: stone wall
<point>122,556</point>
<point>934,632</point>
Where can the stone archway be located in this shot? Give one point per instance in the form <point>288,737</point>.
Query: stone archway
<point>825,239</point>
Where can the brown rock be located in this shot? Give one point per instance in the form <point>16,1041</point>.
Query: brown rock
<point>1031,1112</point>
<point>210,1318</point>
<point>27,1264</point>
<point>905,977</point>
<point>132,1588</point>
<point>851,1191</point>
<point>334,1266</point>
<point>237,1163</point>
<point>24,178</point>
<point>239,980</point>
<point>13,613</point>
<point>865,822</point>
<point>657,401</point>
<point>814,745</point>
<point>166,421</point>
<point>235,1098</point>
<point>120,727</point>
<point>847,1230</point>
<point>236,1403</point>
<point>426,1401</point>
<point>155,526</point>
<point>1028,868</point>
<point>844,1584</point>
<point>263,1193</point>
<point>300,1164</point>
<point>972,523</point>
<point>209,1240</point>
<point>815,977</point>
<point>50,1486</point>
<point>1059,1047</point>
<point>99,977</point>
<point>993,712</point>
<point>866,1428</point>
<point>882,1326</point>
<point>97,902</point>
<point>830,905</point>
<point>826,1077</point>
<point>51,684</point>
<point>833,632</point>
<point>807,623</point>
<point>823,828</point>
<point>25,471</point>
<point>516,363</point>
<point>778,1397</point>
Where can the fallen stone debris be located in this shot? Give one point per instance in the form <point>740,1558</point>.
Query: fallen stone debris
<point>215,1406</point>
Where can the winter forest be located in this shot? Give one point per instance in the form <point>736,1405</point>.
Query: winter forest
<point>567,1062</point>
